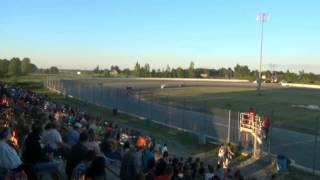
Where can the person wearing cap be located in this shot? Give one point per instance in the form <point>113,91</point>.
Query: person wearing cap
<point>9,158</point>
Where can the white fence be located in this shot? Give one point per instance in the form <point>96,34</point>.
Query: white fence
<point>301,85</point>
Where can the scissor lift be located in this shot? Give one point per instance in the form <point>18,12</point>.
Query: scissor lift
<point>251,127</point>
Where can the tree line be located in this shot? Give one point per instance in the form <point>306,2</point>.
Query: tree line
<point>16,67</point>
<point>237,72</point>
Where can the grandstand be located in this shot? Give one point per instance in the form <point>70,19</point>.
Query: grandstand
<point>68,136</point>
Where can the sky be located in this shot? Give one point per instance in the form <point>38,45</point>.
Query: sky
<point>82,34</point>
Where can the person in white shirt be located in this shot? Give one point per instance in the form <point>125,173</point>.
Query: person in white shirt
<point>9,158</point>
<point>164,149</point>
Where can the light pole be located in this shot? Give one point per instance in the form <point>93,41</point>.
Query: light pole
<point>262,18</point>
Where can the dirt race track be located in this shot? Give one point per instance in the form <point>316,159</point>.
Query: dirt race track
<point>148,84</point>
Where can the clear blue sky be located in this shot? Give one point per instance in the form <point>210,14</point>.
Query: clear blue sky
<point>212,33</point>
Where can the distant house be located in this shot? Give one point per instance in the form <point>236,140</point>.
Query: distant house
<point>114,72</point>
<point>204,75</point>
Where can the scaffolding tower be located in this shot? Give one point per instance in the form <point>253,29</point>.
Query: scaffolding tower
<point>251,132</point>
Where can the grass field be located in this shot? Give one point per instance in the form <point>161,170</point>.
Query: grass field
<point>278,101</point>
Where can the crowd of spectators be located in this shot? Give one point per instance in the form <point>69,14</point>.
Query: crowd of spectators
<point>39,136</point>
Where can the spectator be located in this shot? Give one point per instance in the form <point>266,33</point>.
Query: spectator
<point>33,153</point>
<point>179,172</point>
<point>74,134</point>
<point>265,126</point>
<point>238,175</point>
<point>77,153</point>
<point>148,154</point>
<point>36,156</point>
<point>23,132</point>
<point>162,164</point>
<point>149,172</point>
<point>219,172</point>
<point>167,174</point>
<point>92,144</point>
<point>210,174</point>
<point>164,149</point>
<point>194,167</point>
<point>105,145</point>
<point>221,153</point>
<point>20,104</point>
<point>51,136</point>
<point>109,128</point>
<point>8,156</point>
<point>187,172</point>
<point>97,169</point>
<point>80,170</point>
<point>201,173</point>
<point>4,101</point>
<point>129,166</point>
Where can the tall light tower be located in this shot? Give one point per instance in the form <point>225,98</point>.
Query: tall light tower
<point>262,18</point>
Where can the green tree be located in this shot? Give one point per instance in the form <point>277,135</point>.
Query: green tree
<point>96,70</point>
<point>4,65</point>
<point>33,68</point>
<point>268,74</point>
<point>153,73</point>
<point>223,72</point>
<point>180,72</point>
<point>167,72</point>
<point>146,70</point>
<point>174,73</point>
<point>25,66</point>
<point>306,77</point>
<point>241,71</point>
<point>106,73</point>
<point>137,70</point>
<point>230,73</point>
<point>191,71</point>
<point>126,72</point>
<point>52,70</point>
<point>290,77</point>
<point>14,68</point>
<point>158,73</point>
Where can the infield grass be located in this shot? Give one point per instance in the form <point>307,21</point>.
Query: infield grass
<point>277,103</point>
